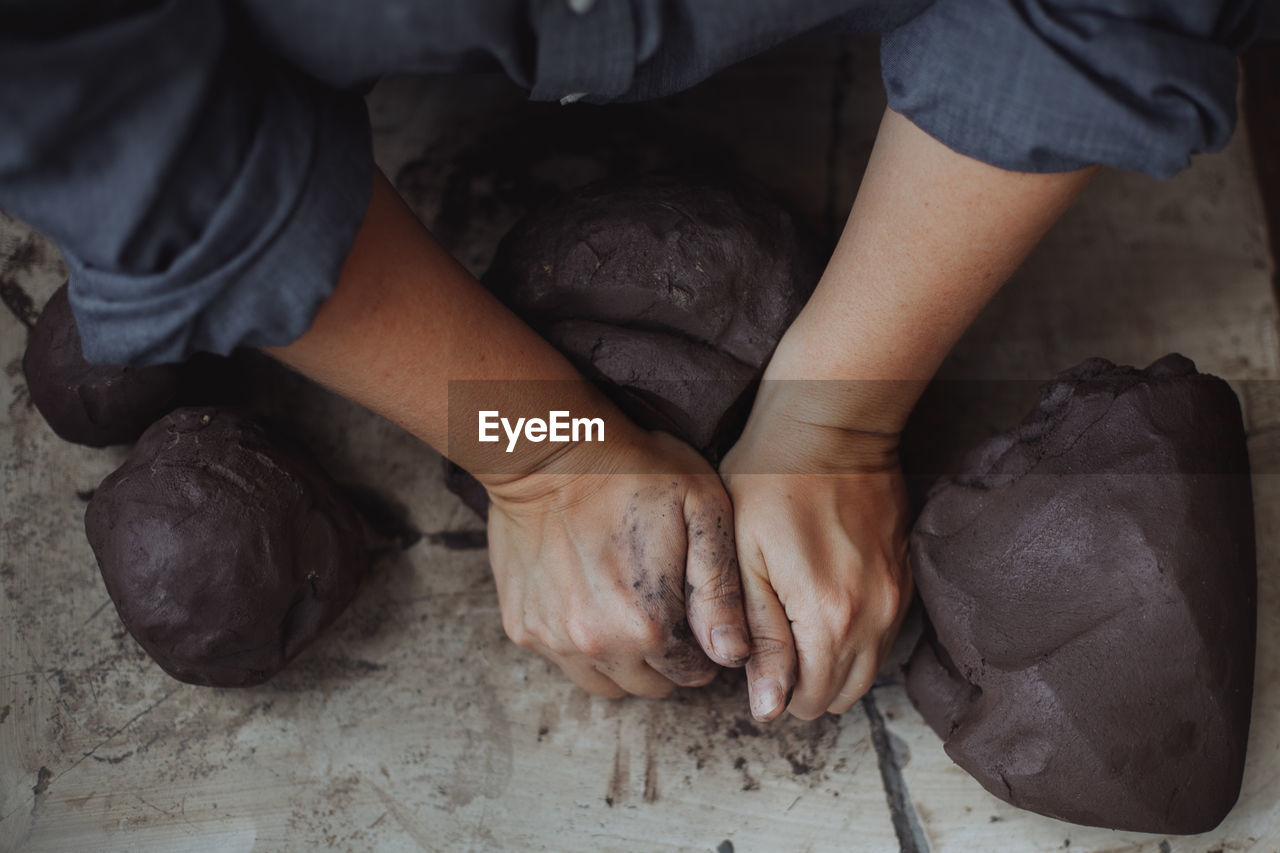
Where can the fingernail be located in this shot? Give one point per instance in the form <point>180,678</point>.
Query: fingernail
<point>730,643</point>
<point>766,695</point>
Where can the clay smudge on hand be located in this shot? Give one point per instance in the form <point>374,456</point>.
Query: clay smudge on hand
<point>659,591</point>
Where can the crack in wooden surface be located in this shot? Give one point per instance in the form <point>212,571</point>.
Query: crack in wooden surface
<point>906,823</point>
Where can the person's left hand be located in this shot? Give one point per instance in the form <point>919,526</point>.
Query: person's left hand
<point>820,516</point>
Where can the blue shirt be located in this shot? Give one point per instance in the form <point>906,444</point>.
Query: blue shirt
<point>204,165</point>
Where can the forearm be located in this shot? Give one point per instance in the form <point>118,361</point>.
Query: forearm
<point>405,319</point>
<point>931,237</point>
<point>825,571</point>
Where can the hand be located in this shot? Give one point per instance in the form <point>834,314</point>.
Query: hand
<point>821,520</point>
<point>627,576</point>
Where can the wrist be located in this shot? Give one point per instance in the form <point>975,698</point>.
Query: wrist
<point>503,431</point>
<point>814,427</point>
<point>572,469</point>
<point>817,375</point>
<point>872,407</point>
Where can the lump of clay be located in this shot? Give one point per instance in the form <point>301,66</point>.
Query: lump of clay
<point>97,405</point>
<point>225,548</point>
<point>670,294</point>
<point>1091,586</point>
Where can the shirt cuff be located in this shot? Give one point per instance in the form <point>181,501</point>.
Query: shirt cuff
<point>1042,86</point>
<point>269,255</point>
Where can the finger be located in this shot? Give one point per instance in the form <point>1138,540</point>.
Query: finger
<point>713,584</point>
<point>861,676</point>
<point>583,672</point>
<point>659,631</point>
<point>681,659</point>
<point>826,652</point>
<point>771,670</point>
<point>639,679</point>
<point>874,650</point>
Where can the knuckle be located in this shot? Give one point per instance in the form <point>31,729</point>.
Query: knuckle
<point>840,613</point>
<point>687,667</point>
<point>555,642</point>
<point>893,602</point>
<point>561,646</point>
<point>710,500</point>
<point>646,635</point>
<point>585,637</point>
<point>521,636</point>
<point>723,590</point>
<point>846,699</point>
<point>854,690</point>
<point>513,627</point>
<point>805,711</point>
<point>763,646</point>
<point>698,679</point>
<point>863,685</point>
<point>711,531</point>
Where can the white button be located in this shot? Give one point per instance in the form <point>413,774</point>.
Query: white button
<point>582,7</point>
<point>572,97</point>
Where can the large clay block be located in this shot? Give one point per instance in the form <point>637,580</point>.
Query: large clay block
<point>1090,580</point>
<point>224,547</point>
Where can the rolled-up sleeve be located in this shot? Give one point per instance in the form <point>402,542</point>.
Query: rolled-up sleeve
<point>1056,85</point>
<point>204,194</point>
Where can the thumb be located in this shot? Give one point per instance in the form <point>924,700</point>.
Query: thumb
<point>713,589</point>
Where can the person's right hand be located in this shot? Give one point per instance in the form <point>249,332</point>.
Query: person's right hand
<point>624,571</point>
